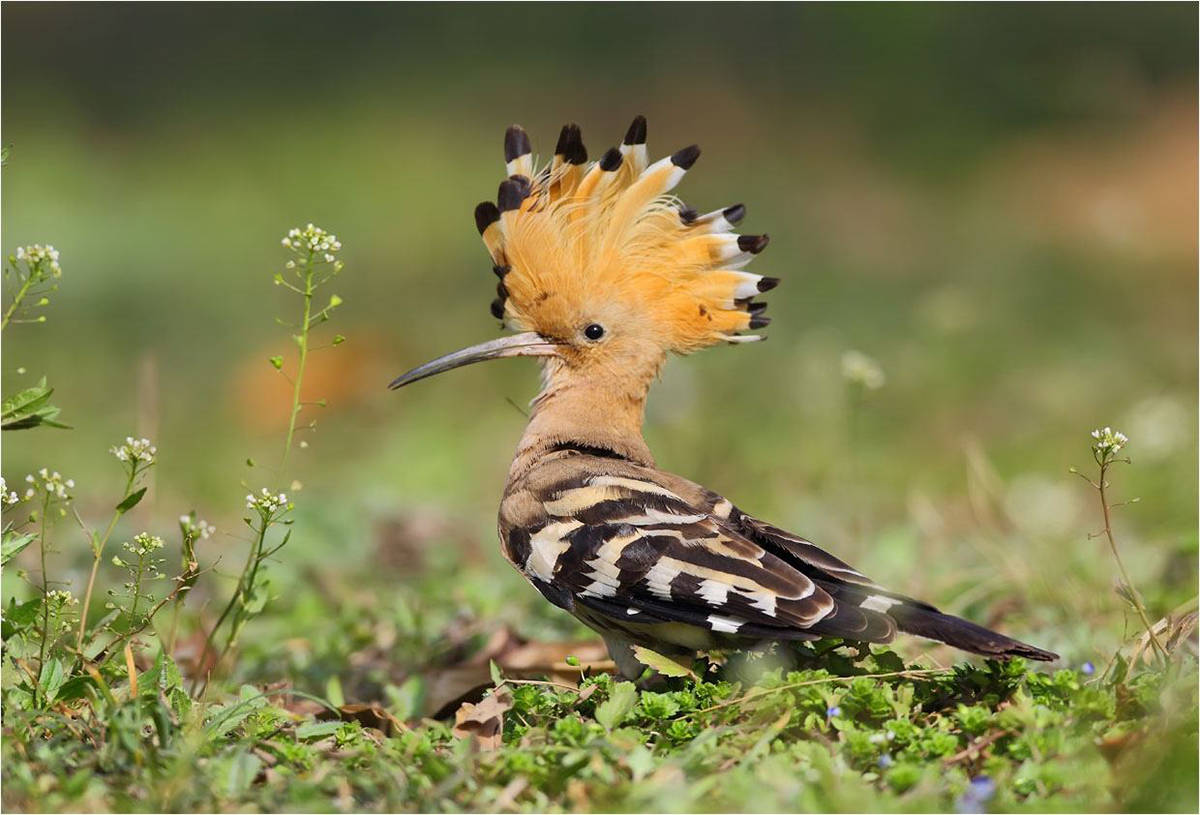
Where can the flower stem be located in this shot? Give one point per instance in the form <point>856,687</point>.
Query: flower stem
<point>20,295</point>
<point>1102,486</point>
<point>302,341</point>
<point>45,596</point>
<point>97,554</point>
<point>137,589</point>
<point>244,585</point>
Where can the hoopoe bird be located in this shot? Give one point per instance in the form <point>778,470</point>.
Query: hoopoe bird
<point>603,272</point>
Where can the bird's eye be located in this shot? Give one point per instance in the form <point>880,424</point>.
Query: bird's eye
<point>594,331</point>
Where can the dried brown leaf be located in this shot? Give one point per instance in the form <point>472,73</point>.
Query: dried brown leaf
<point>368,715</point>
<point>484,722</point>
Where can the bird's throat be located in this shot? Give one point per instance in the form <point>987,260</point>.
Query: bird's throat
<point>600,413</point>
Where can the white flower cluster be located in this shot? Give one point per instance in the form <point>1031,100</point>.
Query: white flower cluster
<point>143,543</point>
<point>7,497</point>
<point>860,369</point>
<point>139,451</point>
<point>58,601</point>
<point>46,481</point>
<point>196,527</point>
<point>61,598</point>
<point>1108,441</point>
<point>266,503</point>
<point>313,239</point>
<point>37,254</point>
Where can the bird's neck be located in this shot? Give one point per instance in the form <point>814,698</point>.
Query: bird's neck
<point>601,413</point>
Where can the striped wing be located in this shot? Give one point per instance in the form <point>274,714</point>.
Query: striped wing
<point>841,580</point>
<point>618,541</point>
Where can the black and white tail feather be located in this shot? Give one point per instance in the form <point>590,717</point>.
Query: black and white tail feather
<point>651,559</point>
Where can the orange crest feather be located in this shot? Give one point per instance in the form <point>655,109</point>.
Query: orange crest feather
<point>573,239</point>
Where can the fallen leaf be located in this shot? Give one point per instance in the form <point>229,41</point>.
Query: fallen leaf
<point>664,665</point>
<point>446,688</point>
<point>369,715</point>
<point>484,722</point>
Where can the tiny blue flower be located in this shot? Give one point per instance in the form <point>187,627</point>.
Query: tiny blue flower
<point>982,788</point>
<point>885,761</point>
<point>833,712</point>
<point>1087,668</point>
<point>977,794</point>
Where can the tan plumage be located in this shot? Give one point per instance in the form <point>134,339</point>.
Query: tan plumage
<point>605,273</point>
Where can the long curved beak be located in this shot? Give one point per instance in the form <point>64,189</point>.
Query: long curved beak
<point>528,344</point>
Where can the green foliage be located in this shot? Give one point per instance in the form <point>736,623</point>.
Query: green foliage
<point>922,740</point>
<point>30,408</point>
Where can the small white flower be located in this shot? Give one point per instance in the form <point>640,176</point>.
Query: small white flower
<point>860,369</point>
<point>312,239</point>
<point>7,497</point>
<point>268,504</point>
<point>1108,441</point>
<point>197,527</point>
<point>53,484</point>
<point>139,451</point>
<point>143,544</point>
<point>38,255</point>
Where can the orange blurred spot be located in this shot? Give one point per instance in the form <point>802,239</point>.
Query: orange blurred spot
<point>346,376</point>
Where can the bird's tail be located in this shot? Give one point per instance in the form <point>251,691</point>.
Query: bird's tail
<point>924,621</point>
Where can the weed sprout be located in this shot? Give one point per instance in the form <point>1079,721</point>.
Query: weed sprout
<point>1106,444</point>
<point>313,264</point>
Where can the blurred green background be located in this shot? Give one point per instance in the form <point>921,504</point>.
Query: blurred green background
<point>996,202</point>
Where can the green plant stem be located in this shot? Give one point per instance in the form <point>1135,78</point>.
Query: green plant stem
<point>309,289</point>
<point>137,589</point>
<point>187,580</point>
<point>16,302</point>
<point>116,644</point>
<point>174,629</point>
<point>1102,486</point>
<point>243,588</point>
<point>97,554</point>
<point>45,596</point>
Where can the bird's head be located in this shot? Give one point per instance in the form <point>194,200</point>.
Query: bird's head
<point>602,270</point>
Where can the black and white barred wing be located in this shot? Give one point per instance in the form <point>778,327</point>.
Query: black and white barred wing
<point>850,587</point>
<point>634,551</point>
<point>838,578</point>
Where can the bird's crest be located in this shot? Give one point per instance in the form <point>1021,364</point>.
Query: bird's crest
<point>570,237</point>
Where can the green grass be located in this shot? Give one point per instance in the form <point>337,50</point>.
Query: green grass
<point>838,732</point>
